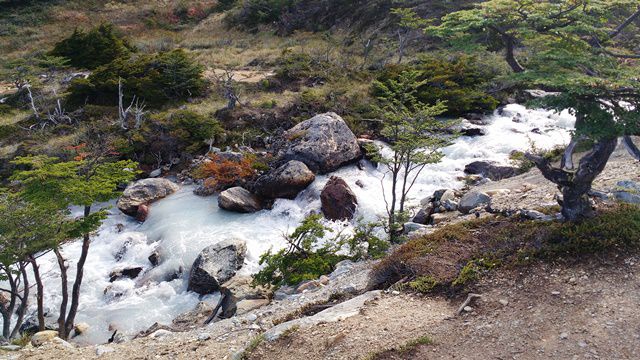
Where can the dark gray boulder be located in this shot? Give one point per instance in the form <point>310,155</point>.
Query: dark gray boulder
<point>285,181</point>
<point>473,200</point>
<point>323,143</point>
<point>215,265</point>
<point>491,171</point>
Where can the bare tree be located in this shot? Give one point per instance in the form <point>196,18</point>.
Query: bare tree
<point>135,110</point>
<point>227,87</point>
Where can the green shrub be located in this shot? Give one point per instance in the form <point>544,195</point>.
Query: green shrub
<point>293,66</point>
<point>461,82</point>
<point>89,50</point>
<point>193,129</point>
<point>157,79</point>
<point>251,13</point>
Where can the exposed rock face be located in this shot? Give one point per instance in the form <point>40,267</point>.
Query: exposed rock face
<point>323,143</point>
<point>338,201</point>
<point>143,192</point>
<point>491,171</point>
<point>473,200</point>
<point>215,265</point>
<point>240,200</point>
<point>286,181</point>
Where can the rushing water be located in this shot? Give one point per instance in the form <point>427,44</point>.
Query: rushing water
<point>183,224</point>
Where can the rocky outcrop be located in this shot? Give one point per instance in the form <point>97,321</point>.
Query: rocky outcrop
<point>323,143</point>
<point>240,200</point>
<point>473,200</point>
<point>338,201</point>
<point>285,181</point>
<point>215,265</point>
<point>143,192</point>
<point>491,171</point>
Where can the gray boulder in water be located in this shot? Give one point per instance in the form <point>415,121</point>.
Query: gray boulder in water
<point>323,143</point>
<point>215,265</point>
<point>285,181</point>
<point>491,171</point>
<point>143,192</point>
<point>240,200</point>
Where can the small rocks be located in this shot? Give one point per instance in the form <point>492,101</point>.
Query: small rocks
<point>555,293</point>
<point>204,337</point>
<point>564,336</point>
<point>102,349</point>
<point>467,309</point>
<point>160,333</point>
<point>503,302</point>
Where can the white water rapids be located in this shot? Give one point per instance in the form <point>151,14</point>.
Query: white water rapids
<point>181,225</point>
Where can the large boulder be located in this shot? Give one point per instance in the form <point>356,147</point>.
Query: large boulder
<point>143,192</point>
<point>473,200</point>
<point>216,264</point>
<point>338,201</point>
<point>240,200</point>
<point>491,171</point>
<point>285,181</point>
<point>323,143</point>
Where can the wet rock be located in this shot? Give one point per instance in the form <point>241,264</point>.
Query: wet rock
<point>286,181</point>
<point>43,337</point>
<point>323,143</point>
<point>142,213</point>
<point>215,265</point>
<point>240,200</point>
<point>143,192</point>
<point>360,184</point>
<point>154,258</point>
<point>130,272</point>
<point>473,200</point>
<point>491,171</point>
<point>338,201</point>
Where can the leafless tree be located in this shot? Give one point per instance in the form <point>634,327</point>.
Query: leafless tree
<point>135,110</point>
<point>227,87</point>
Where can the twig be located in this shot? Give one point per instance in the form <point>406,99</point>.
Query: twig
<point>469,299</point>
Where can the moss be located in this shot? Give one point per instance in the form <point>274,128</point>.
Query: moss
<point>423,284</point>
<point>253,345</point>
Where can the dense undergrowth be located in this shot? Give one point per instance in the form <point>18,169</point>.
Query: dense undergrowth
<point>457,255</point>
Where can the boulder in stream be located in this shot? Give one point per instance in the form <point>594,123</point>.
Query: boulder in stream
<point>491,171</point>
<point>323,143</point>
<point>240,200</point>
<point>285,181</point>
<point>338,201</point>
<point>143,192</point>
<point>215,265</point>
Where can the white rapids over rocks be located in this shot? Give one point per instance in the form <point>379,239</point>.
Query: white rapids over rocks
<point>183,224</point>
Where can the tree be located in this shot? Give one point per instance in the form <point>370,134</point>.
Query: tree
<point>415,138</point>
<point>408,24</point>
<point>26,231</point>
<point>88,179</point>
<point>577,49</point>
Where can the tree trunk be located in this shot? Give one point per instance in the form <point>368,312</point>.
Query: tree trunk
<point>65,293</point>
<point>24,303</point>
<point>575,186</point>
<point>7,310</point>
<point>39,292</point>
<point>510,54</point>
<point>75,293</point>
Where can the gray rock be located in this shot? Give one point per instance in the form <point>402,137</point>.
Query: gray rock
<point>423,216</point>
<point>629,185</point>
<point>491,171</point>
<point>446,195</point>
<point>143,192</point>
<point>535,215</point>
<point>336,313</point>
<point>215,265</point>
<point>338,200</point>
<point>323,143</point>
<point>285,181</point>
<point>450,205</point>
<point>155,173</point>
<point>240,200</point>
<point>627,197</point>
<point>473,200</point>
<point>411,227</point>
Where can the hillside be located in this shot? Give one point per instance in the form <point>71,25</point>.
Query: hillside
<point>319,179</point>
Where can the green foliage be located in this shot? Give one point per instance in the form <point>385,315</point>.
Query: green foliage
<point>573,47</point>
<point>461,82</point>
<point>304,259</point>
<point>364,244</point>
<point>193,129</point>
<point>157,79</point>
<point>99,46</point>
<point>252,13</point>
<point>423,284</point>
<point>294,66</point>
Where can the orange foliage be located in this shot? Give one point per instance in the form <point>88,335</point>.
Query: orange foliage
<point>221,173</point>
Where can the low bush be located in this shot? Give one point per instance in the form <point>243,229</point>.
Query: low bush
<point>89,50</point>
<point>222,172</point>
<point>457,255</point>
<point>462,82</point>
<point>158,79</point>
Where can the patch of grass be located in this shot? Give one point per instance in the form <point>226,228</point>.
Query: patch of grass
<point>458,255</point>
<point>253,345</point>
<point>23,340</point>
<point>403,351</point>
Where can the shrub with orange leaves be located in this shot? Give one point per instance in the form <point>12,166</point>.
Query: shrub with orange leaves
<point>221,173</point>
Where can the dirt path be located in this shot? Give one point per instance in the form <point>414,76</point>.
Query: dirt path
<point>559,311</point>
